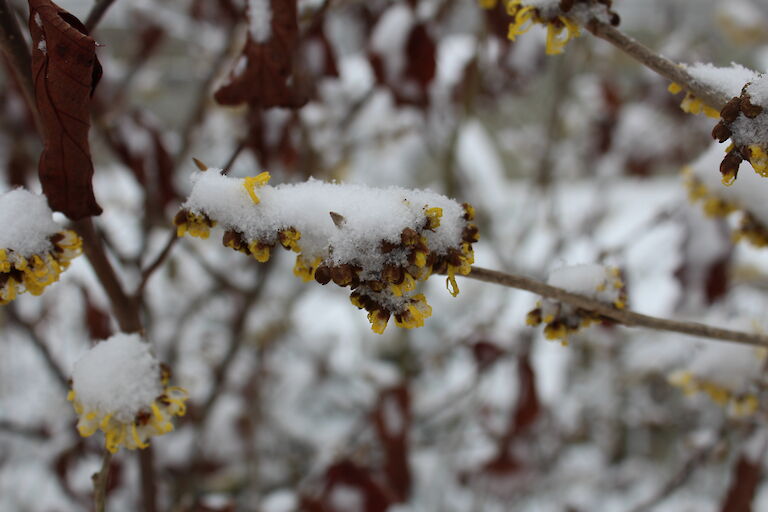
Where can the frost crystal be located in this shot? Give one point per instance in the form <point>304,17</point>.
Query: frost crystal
<point>379,242</point>
<point>34,250</point>
<point>591,280</point>
<point>120,388</point>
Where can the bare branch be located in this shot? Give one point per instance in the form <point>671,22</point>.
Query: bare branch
<point>622,316</point>
<point>15,49</point>
<point>97,12</point>
<point>124,308</point>
<point>661,65</point>
<point>100,481</point>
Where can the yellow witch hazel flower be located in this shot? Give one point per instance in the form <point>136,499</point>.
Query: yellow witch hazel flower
<point>562,18</point>
<point>119,387</point>
<point>378,242</point>
<point>726,373</point>
<point>591,280</point>
<point>744,196</point>
<point>34,250</point>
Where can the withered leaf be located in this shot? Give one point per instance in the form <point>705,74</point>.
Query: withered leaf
<point>391,420</point>
<point>744,485</point>
<point>65,72</point>
<point>264,74</point>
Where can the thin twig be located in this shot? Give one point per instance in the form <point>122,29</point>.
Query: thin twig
<point>100,481</point>
<point>622,316</point>
<point>152,267</point>
<point>15,48</point>
<point>39,344</point>
<point>97,12</point>
<point>124,308</point>
<point>661,65</point>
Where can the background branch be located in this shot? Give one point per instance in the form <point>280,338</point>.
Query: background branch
<point>661,65</point>
<point>622,316</point>
<point>15,49</point>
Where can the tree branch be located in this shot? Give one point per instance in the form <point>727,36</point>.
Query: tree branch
<point>15,49</point>
<point>622,316</point>
<point>97,12</point>
<point>100,481</point>
<point>152,267</point>
<point>661,65</point>
<point>125,309</point>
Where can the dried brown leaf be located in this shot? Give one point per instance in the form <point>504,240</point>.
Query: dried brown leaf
<point>264,74</point>
<point>65,72</point>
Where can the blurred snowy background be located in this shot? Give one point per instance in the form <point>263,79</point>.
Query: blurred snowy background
<point>295,403</point>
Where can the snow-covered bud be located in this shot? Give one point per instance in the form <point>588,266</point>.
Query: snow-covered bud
<point>590,280</point>
<point>744,196</point>
<point>744,120</point>
<point>563,18</point>
<point>727,374</point>
<point>34,250</point>
<point>119,387</point>
<point>377,242</point>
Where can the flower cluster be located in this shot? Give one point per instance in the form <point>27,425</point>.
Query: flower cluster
<point>563,18</point>
<point>34,250</point>
<point>377,242</point>
<point>691,104</point>
<point>727,374</point>
<point>118,387</point>
<point>745,123</point>
<point>591,280</point>
<point>744,196</point>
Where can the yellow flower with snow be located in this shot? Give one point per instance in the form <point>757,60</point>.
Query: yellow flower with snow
<point>119,387</point>
<point>378,242</point>
<point>34,250</point>
<point>563,19</point>
<point>591,280</point>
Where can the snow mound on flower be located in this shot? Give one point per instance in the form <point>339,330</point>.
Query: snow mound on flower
<point>26,221</point>
<point>118,375</point>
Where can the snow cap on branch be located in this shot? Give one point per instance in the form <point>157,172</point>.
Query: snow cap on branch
<point>378,242</point>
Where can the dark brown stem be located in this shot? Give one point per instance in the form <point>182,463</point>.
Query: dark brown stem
<point>100,481</point>
<point>97,12</point>
<point>661,65</point>
<point>125,309</point>
<point>622,316</point>
<point>152,267</point>
<point>148,483</point>
<point>15,49</point>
